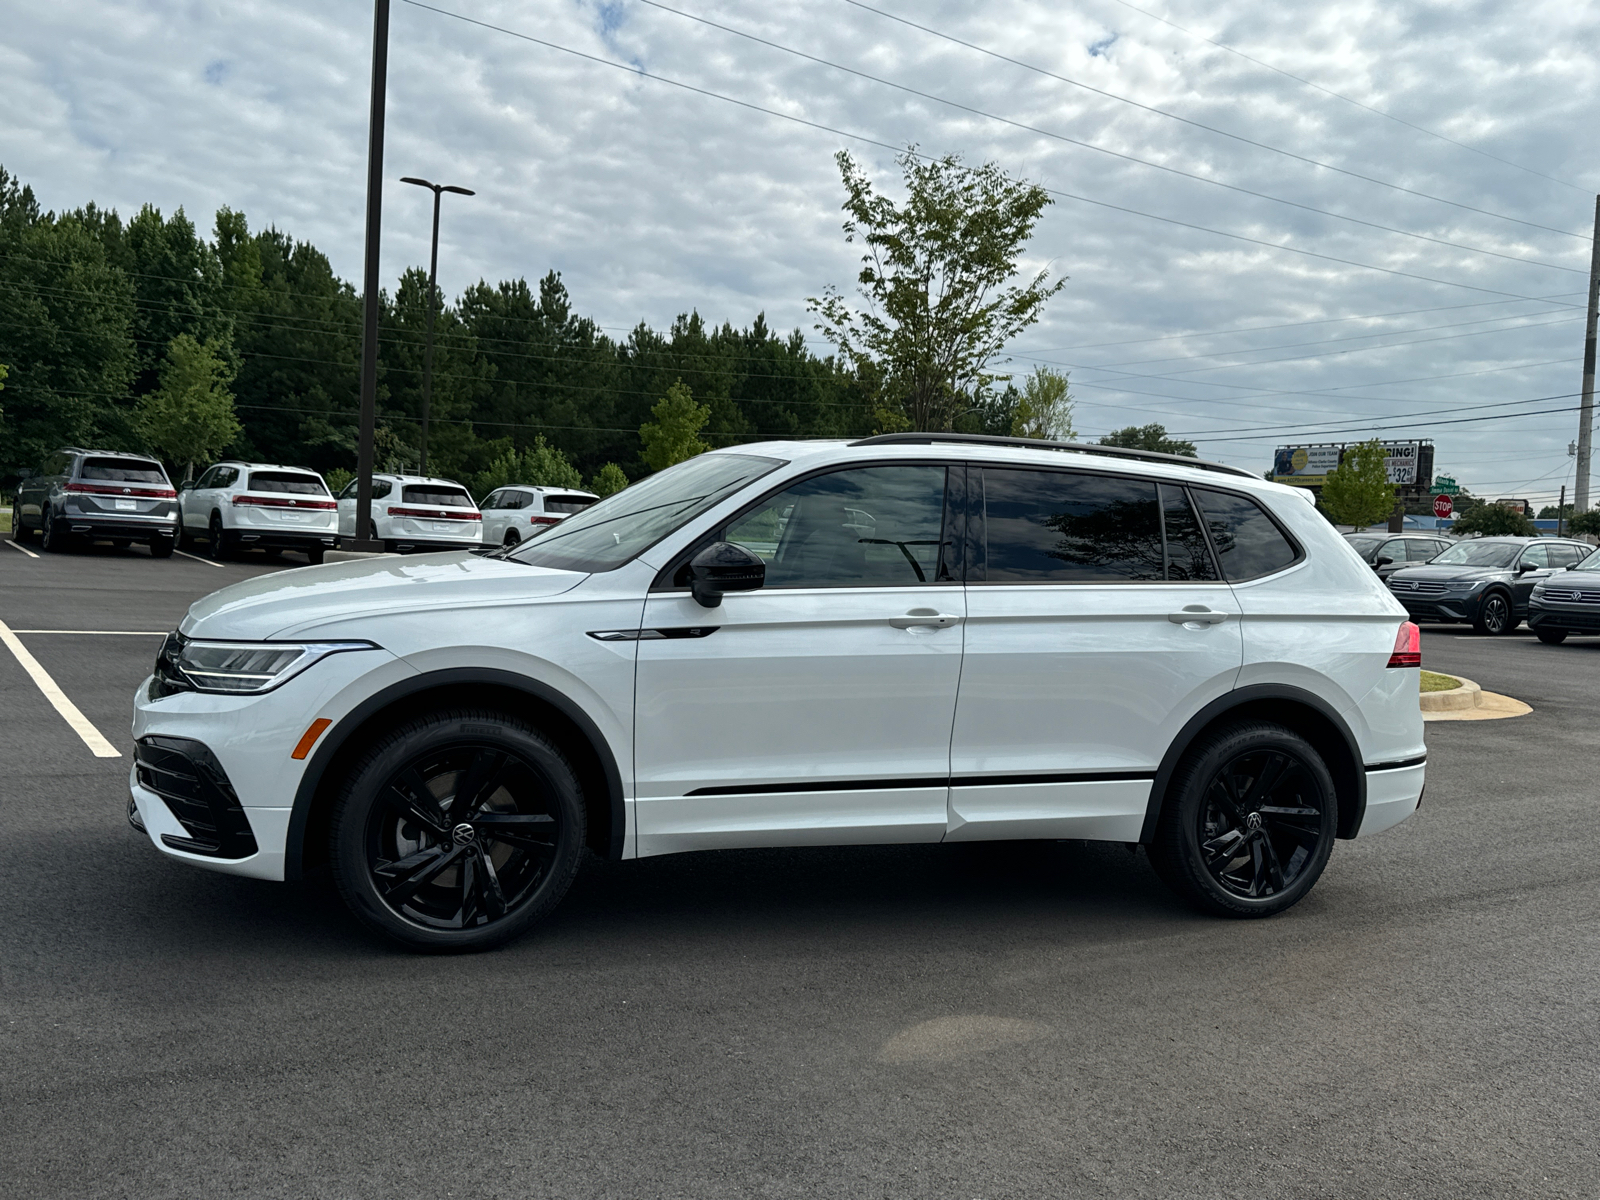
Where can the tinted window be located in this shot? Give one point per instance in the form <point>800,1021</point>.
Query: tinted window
<point>519,500</point>
<point>1565,556</point>
<point>495,500</point>
<point>867,527</point>
<point>1188,555</point>
<point>1394,550</point>
<point>208,478</point>
<point>434,493</point>
<point>380,489</point>
<point>1478,554</point>
<point>225,477</point>
<point>1422,549</point>
<point>122,470</point>
<point>1065,528</point>
<point>566,503</point>
<point>291,482</point>
<point>1535,556</point>
<point>1364,546</point>
<point>1247,541</point>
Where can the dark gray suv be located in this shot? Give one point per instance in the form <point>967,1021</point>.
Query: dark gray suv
<point>97,494</point>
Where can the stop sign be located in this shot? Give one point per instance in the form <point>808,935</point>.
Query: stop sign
<point>1442,506</point>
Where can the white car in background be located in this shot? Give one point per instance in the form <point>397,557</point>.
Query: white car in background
<point>514,514</point>
<point>237,506</point>
<point>415,512</point>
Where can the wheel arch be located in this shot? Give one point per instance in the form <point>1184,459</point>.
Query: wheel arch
<point>474,687</point>
<point>1306,713</point>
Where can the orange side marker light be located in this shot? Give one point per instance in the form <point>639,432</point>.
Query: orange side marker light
<point>310,738</point>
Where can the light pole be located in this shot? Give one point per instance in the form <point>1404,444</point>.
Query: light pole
<point>361,536</point>
<point>433,275</point>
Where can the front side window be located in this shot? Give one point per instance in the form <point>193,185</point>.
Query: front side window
<point>1058,527</point>
<point>862,527</point>
<point>1536,556</point>
<point>435,494</point>
<point>209,479</point>
<point>605,535</point>
<point>1249,543</point>
<point>493,501</point>
<point>290,482</point>
<point>123,470</point>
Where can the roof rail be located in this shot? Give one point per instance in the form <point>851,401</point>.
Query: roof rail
<point>988,439</point>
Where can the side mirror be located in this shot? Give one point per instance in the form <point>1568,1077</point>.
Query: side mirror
<point>1526,567</point>
<point>1383,561</point>
<point>724,567</point>
<point>186,485</point>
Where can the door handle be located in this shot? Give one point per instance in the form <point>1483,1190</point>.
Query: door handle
<point>1197,614</point>
<point>919,617</point>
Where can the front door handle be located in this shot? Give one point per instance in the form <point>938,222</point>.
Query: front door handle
<point>919,617</point>
<point>1197,614</point>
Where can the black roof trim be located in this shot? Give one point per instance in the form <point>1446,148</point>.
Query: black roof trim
<point>987,439</point>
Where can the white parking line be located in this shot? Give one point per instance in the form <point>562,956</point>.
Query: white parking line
<point>92,737</point>
<point>24,549</point>
<point>197,558</point>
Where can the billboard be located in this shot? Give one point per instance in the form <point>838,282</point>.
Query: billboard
<point>1305,465</point>
<point>1408,464</point>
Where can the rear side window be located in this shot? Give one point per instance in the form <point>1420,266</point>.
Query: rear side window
<point>291,482</point>
<point>1248,542</point>
<point>566,504</point>
<point>433,493</point>
<point>1055,527</point>
<point>1566,556</point>
<point>122,470</point>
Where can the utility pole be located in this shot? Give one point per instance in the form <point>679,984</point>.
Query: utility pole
<point>1561,509</point>
<point>1580,497</point>
<point>433,277</point>
<point>369,327</point>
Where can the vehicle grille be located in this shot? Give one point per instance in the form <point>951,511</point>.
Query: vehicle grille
<point>1572,595</point>
<point>193,785</point>
<point>1566,619</point>
<point>1418,587</point>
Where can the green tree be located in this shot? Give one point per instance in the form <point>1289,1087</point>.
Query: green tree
<point>937,282</point>
<point>608,480</point>
<point>337,479</point>
<point>1044,407</point>
<point>540,465</point>
<point>673,436</point>
<point>1585,522</point>
<point>1358,492</point>
<point>1148,437</point>
<point>189,417</point>
<point>1496,520</point>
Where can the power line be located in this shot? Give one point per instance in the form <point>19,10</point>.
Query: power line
<point>1340,96</point>
<point>1420,425</point>
<point>1212,128</point>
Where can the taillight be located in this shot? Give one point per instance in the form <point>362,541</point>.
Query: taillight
<point>1407,646</point>
<point>111,489</point>
<point>544,520</point>
<point>436,514</point>
<point>283,502</point>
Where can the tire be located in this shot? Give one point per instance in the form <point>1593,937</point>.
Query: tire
<point>441,877</point>
<point>20,533</point>
<point>161,548</point>
<point>1226,851</point>
<point>54,539</point>
<point>185,538</point>
<point>513,538</point>
<point>1495,615</point>
<point>217,547</point>
<point>315,554</point>
<point>1551,637</point>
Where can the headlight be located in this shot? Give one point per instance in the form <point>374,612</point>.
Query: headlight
<point>237,668</point>
<point>1467,589</point>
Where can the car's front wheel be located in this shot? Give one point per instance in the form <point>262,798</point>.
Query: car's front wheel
<point>1249,822</point>
<point>217,546</point>
<point>457,831</point>
<point>1494,615</point>
<point>1551,637</point>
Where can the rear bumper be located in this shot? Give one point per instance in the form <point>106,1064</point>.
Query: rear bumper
<point>268,539</point>
<point>138,529</point>
<point>1393,793</point>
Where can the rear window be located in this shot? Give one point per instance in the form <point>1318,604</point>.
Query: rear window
<point>1248,542</point>
<point>293,483</point>
<point>566,504</point>
<point>433,493</point>
<point>122,470</point>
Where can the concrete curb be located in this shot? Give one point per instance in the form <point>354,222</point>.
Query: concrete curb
<point>1465,696</point>
<point>1469,702</point>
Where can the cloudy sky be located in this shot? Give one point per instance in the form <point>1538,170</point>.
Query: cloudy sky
<point>1280,222</point>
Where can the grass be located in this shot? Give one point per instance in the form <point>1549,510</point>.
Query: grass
<point>1432,681</point>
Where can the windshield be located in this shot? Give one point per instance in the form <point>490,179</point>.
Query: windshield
<point>1591,562</point>
<point>611,531</point>
<point>1478,554</point>
<point>1364,546</point>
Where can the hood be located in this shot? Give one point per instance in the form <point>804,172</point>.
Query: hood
<point>1453,574</point>
<point>286,603</point>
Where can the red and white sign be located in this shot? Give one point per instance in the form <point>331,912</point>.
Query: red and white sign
<point>1443,506</point>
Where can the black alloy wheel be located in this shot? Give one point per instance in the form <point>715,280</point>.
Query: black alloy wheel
<point>55,539</point>
<point>217,547</point>
<point>1249,822</point>
<point>1551,637</point>
<point>458,831</point>
<point>1494,615</point>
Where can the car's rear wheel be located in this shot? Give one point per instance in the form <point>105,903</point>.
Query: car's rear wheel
<point>513,538</point>
<point>1249,822</point>
<point>457,831</point>
<point>1551,637</point>
<point>1494,615</point>
<point>161,548</point>
<point>55,539</point>
<point>217,547</point>
<point>314,555</point>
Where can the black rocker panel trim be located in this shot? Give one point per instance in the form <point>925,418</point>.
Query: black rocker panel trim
<point>333,741</point>
<point>1349,821</point>
<point>926,781</point>
<point>1398,764</point>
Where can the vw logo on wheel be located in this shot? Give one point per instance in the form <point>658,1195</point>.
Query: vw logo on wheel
<point>1253,821</point>
<point>464,834</point>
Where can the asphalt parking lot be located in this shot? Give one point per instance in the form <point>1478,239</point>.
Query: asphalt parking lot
<point>974,1021</point>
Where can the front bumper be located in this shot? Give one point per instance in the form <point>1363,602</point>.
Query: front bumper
<point>1435,609</point>
<point>1572,618</point>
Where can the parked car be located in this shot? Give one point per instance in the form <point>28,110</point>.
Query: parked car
<point>415,512</point>
<point>1387,553</point>
<point>78,495</point>
<point>237,506</point>
<point>1485,582</point>
<point>513,514</point>
<point>944,638</point>
<point>1566,602</point>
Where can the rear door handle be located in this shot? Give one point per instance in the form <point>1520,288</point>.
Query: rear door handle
<point>919,617</point>
<point>1197,614</point>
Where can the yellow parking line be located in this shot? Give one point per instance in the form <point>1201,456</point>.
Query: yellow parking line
<point>92,737</point>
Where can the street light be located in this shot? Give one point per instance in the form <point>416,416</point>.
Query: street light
<point>433,275</point>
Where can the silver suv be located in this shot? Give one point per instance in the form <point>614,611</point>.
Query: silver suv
<point>79,495</point>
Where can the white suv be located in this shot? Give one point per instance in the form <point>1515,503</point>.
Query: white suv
<point>257,506</point>
<point>514,514</point>
<point>909,638</point>
<point>415,512</point>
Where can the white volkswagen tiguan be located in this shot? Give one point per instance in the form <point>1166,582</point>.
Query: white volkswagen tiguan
<point>415,512</point>
<point>909,638</point>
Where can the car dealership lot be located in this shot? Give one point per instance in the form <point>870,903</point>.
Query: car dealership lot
<point>982,1020</point>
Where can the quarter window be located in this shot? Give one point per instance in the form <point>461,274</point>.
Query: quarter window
<point>1188,556</point>
<point>1248,542</point>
